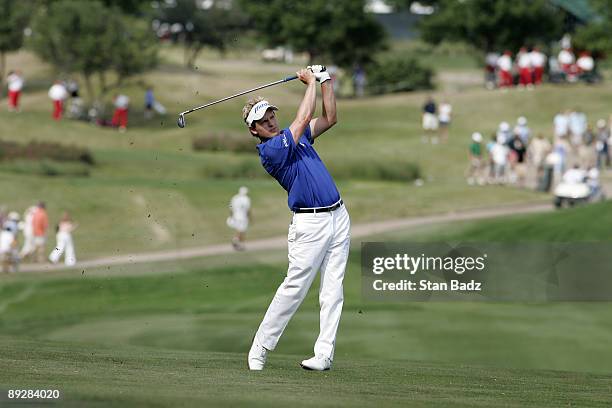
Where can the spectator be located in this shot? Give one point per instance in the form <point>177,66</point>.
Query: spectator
<point>504,135</point>
<point>12,222</point>
<point>593,182</point>
<point>585,65</point>
<point>602,146</point>
<point>489,148</point>
<point>519,166</point>
<point>58,94</point>
<point>240,207</point>
<point>444,119</point>
<point>120,117</point>
<point>490,67</point>
<point>76,106</point>
<point>72,87</point>
<point>567,62</point>
<point>577,126</point>
<point>359,81</point>
<point>499,155</point>
<point>523,61</point>
<point>537,151</point>
<point>430,121</point>
<point>586,151</point>
<point>522,130</point>
<point>538,62</point>
<point>28,233</point>
<point>560,153</point>
<point>561,124</point>
<point>474,172</point>
<point>504,65</point>
<point>149,103</point>
<point>64,243</point>
<point>8,255</point>
<point>15,85</point>
<point>40,224</point>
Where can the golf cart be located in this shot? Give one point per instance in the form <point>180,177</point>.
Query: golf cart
<point>577,191</point>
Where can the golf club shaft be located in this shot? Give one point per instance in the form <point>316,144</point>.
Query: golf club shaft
<point>291,78</point>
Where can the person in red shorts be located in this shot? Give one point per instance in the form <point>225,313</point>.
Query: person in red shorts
<point>120,117</point>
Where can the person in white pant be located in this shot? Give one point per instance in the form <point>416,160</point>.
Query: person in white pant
<point>28,233</point>
<point>240,206</point>
<point>319,234</point>
<point>64,242</point>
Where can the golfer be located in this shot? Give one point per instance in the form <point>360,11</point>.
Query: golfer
<point>319,234</point>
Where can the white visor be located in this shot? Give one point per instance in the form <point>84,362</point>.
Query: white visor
<point>258,111</point>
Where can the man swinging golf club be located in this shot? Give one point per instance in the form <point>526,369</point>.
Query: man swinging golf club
<point>319,234</point>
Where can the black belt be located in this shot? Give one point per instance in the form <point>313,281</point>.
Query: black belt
<point>320,209</point>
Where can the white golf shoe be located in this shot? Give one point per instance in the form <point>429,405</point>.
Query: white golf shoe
<point>317,363</point>
<point>257,356</point>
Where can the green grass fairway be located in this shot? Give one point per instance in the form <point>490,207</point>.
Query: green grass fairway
<point>177,333</point>
<point>124,376</point>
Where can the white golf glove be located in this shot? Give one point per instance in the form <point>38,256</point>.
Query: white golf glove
<point>320,72</point>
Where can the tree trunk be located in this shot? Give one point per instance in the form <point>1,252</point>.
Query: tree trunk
<point>2,68</point>
<point>195,51</point>
<point>89,87</point>
<point>103,87</point>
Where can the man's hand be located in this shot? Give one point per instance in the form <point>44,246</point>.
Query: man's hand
<point>306,76</point>
<point>320,72</point>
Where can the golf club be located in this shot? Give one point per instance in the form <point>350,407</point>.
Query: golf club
<point>181,118</point>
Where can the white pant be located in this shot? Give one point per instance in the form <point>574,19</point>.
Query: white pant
<point>28,244</point>
<point>317,242</point>
<point>64,243</point>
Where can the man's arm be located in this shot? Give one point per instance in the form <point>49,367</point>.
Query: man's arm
<point>307,107</point>
<point>328,118</point>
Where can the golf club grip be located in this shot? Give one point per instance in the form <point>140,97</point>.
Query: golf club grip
<point>290,78</point>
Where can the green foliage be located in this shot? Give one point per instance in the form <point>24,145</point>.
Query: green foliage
<point>44,150</point>
<point>347,169</point>
<point>595,37</point>
<point>333,31</point>
<point>493,25</point>
<point>398,74</point>
<point>135,7</point>
<point>214,27</point>
<point>46,168</point>
<point>86,37</point>
<point>134,46</point>
<point>15,15</point>
<point>218,142</point>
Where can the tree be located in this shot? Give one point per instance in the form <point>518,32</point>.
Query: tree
<point>333,31</point>
<point>596,36</point>
<point>493,25</point>
<point>87,37</point>
<point>15,15</point>
<point>215,26</point>
<point>132,7</point>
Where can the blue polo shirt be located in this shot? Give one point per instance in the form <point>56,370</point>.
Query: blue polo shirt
<point>299,170</point>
